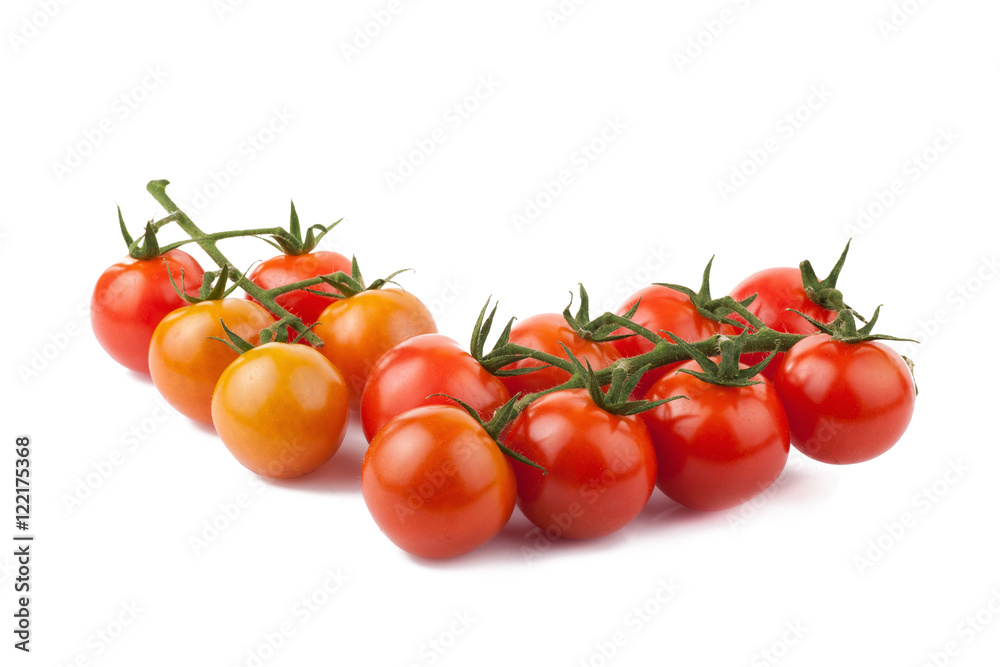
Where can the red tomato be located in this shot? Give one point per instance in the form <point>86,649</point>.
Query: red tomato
<point>601,467</point>
<point>545,332</point>
<point>184,360</point>
<point>436,483</point>
<point>776,290</point>
<point>357,331</point>
<point>720,447</point>
<point>846,402</point>
<point>662,308</point>
<point>281,409</point>
<point>130,299</point>
<point>288,269</point>
<point>405,377</point>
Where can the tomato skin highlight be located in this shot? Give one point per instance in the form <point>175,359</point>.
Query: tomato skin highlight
<point>281,409</point>
<point>721,446</point>
<point>846,402</point>
<point>662,308</point>
<point>132,296</point>
<point>545,332</point>
<point>777,289</point>
<point>436,484</point>
<point>185,363</point>
<point>287,269</point>
<point>358,330</point>
<point>405,377</point>
<point>601,467</point>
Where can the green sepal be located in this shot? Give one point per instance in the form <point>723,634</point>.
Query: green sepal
<point>599,329</point>
<point>623,383</point>
<point>716,310</point>
<point>844,329</point>
<point>237,344</point>
<point>293,243</point>
<point>726,373</point>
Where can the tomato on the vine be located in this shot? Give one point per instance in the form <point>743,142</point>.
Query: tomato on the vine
<point>184,360</point>
<point>287,269</point>
<point>721,446</point>
<point>436,483</point>
<point>405,377</point>
<point>846,402</point>
<point>662,309</point>
<point>281,409</point>
<point>777,290</point>
<point>601,467</point>
<point>132,296</point>
<point>358,330</point>
<point>545,332</point>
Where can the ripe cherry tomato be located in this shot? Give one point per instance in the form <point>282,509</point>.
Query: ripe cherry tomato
<point>720,447</point>
<point>406,376</point>
<point>846,402</point>
<point>545,332</point>
<point>281,409</point>
<point>776,290</point>
<point>130,299</point>
<point>184,360</point>
<point>288,269</point>
<point>436,483</point>
<point>601,467</point>
<point>662,308</point>
<point>357,331</point>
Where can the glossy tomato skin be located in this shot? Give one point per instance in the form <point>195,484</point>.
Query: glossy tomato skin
<point>776,290</point>
<point>721,446</point>
<point>846,402</point>
<point>184,360</point>
<point>281,409</point>
<point>405,377</point>
<point>662,308</point>
<point>130,299</point>
<point>601,467</point>
<point>545,332</point>
<point>287,269</point>
<point>436,484</point>
<point>357,331</point>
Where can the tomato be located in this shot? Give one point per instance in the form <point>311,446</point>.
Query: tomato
<point>357,331</point>
<point>545,332</point>
<point>185,362</point>
<point>281,409</point>
<point>721,446</point>
<point>601,467</point>
<point>846,402</point>
<point>776,290</point>
<point>288,269</point>
<point>436,484</point>
<point>130,299</point>
<point>406,376</point>
<point>662,308</point>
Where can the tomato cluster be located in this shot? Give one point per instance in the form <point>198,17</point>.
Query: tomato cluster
<point>576,421</point>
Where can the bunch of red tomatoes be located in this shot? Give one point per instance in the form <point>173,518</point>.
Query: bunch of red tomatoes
<point>574,420</point>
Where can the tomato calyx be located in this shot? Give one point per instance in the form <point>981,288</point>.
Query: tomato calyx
<point>347,285</point>
<point>599,329</point>
<point>213,286</point>
<point>824,293</point>
<point>623,382</point>
<point>844,329</point>
<point>716,310</point>
<point>505,352</point>
<point>291,242</point>
<point>727,372</point>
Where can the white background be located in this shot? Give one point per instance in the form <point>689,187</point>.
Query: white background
<point>822,554</point>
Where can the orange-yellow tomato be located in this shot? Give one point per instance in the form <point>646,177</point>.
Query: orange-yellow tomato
<point>184,361</point>
<point>281,409</point>
<point>358,330</point>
